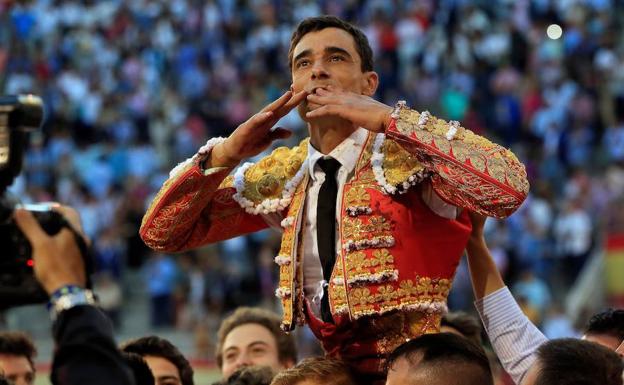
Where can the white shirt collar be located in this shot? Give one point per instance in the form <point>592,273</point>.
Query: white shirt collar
<point>347,152</point>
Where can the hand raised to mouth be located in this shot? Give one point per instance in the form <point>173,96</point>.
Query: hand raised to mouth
<point>257,133</point>
<point>361,110</point>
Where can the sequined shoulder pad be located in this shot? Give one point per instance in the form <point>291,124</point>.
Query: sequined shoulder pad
<point>395,168</point>
<point>268,186</point>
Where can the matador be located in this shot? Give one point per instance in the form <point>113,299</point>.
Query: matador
<point>373,206</point>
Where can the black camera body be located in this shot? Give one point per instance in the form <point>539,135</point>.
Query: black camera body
<point>18,285</point>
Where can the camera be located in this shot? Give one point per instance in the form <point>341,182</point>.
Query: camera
<point>20,115</point>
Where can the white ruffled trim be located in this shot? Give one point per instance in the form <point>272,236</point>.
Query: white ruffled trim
<point>282,260</point>
<point>384,276</point>
<point>338,281</point>
<point>268,205</point>
<point>201,154</point>
<point>430,307</point>
<point>423,119</point>
<point>375,242</point>
<point>282,292</point>
<point>287,222</point>
<point>452,131</point>
<point>340,310</point>
<point>397,109</point>
<point>354,211</point>
<point>377,162</point>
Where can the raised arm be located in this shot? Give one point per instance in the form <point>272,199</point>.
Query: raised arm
<point>514,338</point>
<point>469,170</point>
<point>195,206</point>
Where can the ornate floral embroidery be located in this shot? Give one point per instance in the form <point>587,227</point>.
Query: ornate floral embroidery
<point>423,294</point>
<point>376,268</point>
<point>357,201</point>
<point>354,228</point>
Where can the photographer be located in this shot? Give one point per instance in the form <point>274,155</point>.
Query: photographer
<point>86,352</point>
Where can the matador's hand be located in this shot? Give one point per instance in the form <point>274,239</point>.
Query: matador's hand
<point>256,134</point>
<point>361,110</point>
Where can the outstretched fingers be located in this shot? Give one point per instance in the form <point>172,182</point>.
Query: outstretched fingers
<point>278,103</point>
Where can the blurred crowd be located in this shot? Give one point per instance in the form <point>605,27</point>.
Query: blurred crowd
<point>134,87</point>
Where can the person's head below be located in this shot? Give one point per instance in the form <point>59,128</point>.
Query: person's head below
<point>17,353</point>
<point>252,336</point>
<point>570,361</point>
<point>439,359</point>
<point>140,370</point>
<point>327,51</point>
<point>168,365</point>
<point>462,324</point>
<point>606,328</point>
<point>316,371</point>
<point>250,375</point>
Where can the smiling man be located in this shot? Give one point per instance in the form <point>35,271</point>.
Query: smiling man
<point>370,205</point>
<point>252,337</point>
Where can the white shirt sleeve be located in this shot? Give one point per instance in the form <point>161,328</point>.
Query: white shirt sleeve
<point>437,204</point>
<point>514,338</point>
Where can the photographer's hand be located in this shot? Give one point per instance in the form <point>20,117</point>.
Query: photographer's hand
<point>57,259</point>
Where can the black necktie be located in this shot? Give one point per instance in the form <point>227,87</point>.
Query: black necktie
<point>326,227</point>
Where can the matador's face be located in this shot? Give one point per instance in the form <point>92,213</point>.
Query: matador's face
<point>328,57</point>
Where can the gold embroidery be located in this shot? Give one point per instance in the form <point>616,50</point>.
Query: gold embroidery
<point>228,182</point>
<point>353,228</point>
<point>380,260</point>
<point>357,197</point>
<point>422,294</point>
<point>398,164</point>
<point>267,178</point>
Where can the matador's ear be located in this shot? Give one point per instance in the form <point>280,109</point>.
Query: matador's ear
<point>370,83</point>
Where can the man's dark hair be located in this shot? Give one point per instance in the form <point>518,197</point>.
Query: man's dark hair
<point>250,375</point>
<point>314,24</point>
<point>570,361</point>
<point>468,325</point>
<point>609,322</point>
<point>18,344</point>
<point>286,349</point>
<point>140,370</point>
<point>446,354</point>
<point>160,347</point>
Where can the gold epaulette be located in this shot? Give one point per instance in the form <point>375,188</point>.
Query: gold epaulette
<point>267,186</point>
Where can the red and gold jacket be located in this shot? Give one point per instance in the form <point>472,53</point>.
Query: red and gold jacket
<point>397,259</point>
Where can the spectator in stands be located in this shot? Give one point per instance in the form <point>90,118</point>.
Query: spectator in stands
<point>317,371</point>
<point>17,352</point>
<point>252,336</point>
<point>463,324</point>
<point>439,359</point>
<point>571,361</point>
<point>168,365</point>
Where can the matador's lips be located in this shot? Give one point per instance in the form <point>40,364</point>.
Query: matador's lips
<point>311,89</point>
